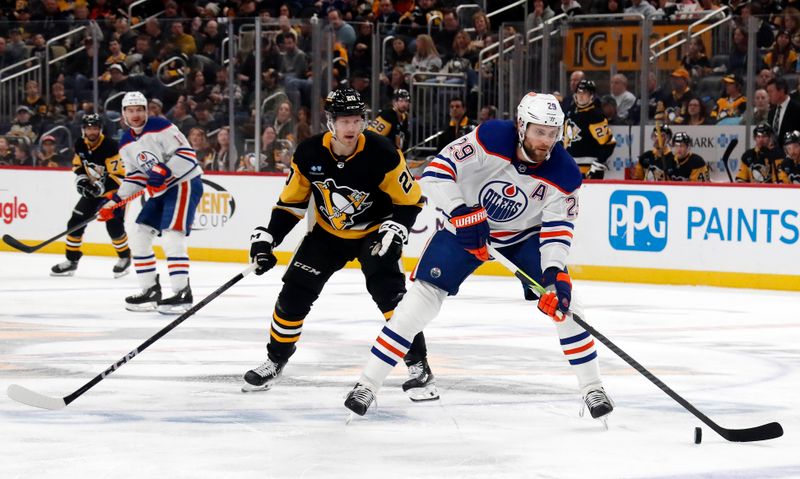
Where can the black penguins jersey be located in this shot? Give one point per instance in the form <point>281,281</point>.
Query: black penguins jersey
<point>759,166</point>
<point>690,168</point>
<point>651,167</point>
<point>587,136</point>
<point>788,171</point>
<point>393,125</point>
<point>100,162</point>
<point>352,195</point>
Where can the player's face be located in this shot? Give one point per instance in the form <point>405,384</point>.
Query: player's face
<point>401,105</point>
<point>91,133</point>
<point>681,149</point>
<point>348,128</point>
<point>792,150</point>
<point>583,98</point>
<point>135,116</point>
<point>762,141</point>
<point>539,140</point>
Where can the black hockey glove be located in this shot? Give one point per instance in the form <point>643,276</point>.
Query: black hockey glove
<point>261,244</point>
<point>390,240</point>
<point>87,188</point>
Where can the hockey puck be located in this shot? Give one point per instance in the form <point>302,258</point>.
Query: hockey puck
<point>698,435</point>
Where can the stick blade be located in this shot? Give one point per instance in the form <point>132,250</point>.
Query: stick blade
<point>32,398</point>
<point>759,433</point>
<point>16,244</point>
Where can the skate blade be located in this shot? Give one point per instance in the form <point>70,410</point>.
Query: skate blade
<point>249,388</point>
<point>604,420</point>
<point>67,273</point>
<point>173,310</point>
<point>141,308</point>
<point>428,393</point>
<point>121,274</point>
<point>350,418</point>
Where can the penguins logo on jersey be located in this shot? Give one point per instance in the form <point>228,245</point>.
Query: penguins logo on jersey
<point>572,132</point>
<point>502,200</point>
<point>340,204</point>
<point>147,159</point>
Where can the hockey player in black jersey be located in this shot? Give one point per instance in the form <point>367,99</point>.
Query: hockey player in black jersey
<point>98,171</point>
<point>366,202</point>
<point>393,122</point>
<point>789,168</point>
<point>688,166</point>
<point>586,134</point>
<point>654,162</point>
<point>759,164</point>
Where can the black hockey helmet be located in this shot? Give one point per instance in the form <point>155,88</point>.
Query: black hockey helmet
<point>791,137</point>
<point>666,131</point>
<point>682,137</point>
<point>344,102</point>
<point>762,129</point>
<point>92,119</point>
<point>401,94</point>
<point>586,85</point>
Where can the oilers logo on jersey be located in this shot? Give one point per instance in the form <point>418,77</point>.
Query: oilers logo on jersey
<point>502,200</point>
<point>147,160</point>
<point>340,204</point>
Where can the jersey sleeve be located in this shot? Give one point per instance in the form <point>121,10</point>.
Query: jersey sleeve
<point>405,192</point>
<point>380,126</point>
<point>558,227</point>
<point>441,179</point>
<point>292,204</point>
<point>77,165</point>
<point>743,175</point>
<point>179,156</point>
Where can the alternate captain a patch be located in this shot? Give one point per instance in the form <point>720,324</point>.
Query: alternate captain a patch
<point>340,204</point>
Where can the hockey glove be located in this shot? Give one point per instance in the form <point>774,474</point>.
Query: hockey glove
<point>597,171</point>
<point>555,302</point>
<point>107,211</point>
<point>472,230</point>
<point>391,238</point>
<point>156,178</point>
<point>87,188</point>
<point>261,244</point>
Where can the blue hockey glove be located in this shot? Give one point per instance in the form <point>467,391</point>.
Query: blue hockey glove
<point>472,230</point>
<point>555,302</point>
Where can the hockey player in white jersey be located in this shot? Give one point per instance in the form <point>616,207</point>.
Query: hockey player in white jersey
<point>513,185</point>
<point>158,157</point>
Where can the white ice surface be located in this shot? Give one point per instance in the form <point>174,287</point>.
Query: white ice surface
<point>509,402</point>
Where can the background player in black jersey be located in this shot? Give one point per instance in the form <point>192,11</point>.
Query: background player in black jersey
<point>789,168</point>
<point>586,134</point>
<point>653,163</point>
<point>393,122</point>
<point>759,164</point>
<point>98,170</point>
<point>688,166</point>
<point>366,202</point>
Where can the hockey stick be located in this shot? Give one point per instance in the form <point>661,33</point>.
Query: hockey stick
<point>727,154</point>
<point>758,433</point>
<point>32,398</point>
<point>17,244</point>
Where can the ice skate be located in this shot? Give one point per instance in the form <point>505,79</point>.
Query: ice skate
<point>599,404</point>
<point>421,385</point>
<point>65,268</point>
<point>147,300</point>
<point>359,399</point>
<point>179,303</point>
<point>263,377</point>
<point>122,267</point>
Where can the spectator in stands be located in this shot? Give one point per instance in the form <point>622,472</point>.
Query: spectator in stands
<point>157,36</point>
<point>688,166</point>
<point>540,14</point>
<point>605,7</point>
<point>624,99</point>
<point>572,7</point>
<point>198,91</point>
<point>205,120</point>
<point>123,34</point>
<point>15,45</point>
<point>732,104</point>
<point>463,59</point>
<point>140,58</point>
<point>283,122</point>
<point>399,56</point>
<point>199,142</point>
<point>345,34</point>
<point>61,109</point>
<point>6,153</point>
<point>115,57</point>
<point>170,14</point>
<point>7,57</point>
<point>49,156</point>
<point>293,62</point>
<point>49,19</point>
<point>608,105</point>
<point>387,16</point>
<point>656,94</point>
<point>458,126</point>
<point>790,20</point>
<point>482,26</point>
<point>222,152</point>
<point>763,78</point>
<point>781,58</point>
<point>784,115</point>
<point>211,34</point>
<point>221,93</point>
<point>445,37</point>
<point>737,58</point>
<point>676,103</point>
<point>34,101</point>
<point>695,61</point>
<point>488,112</point>
<point>183,41</point>
<point>416,20</point>
<point>22,154</point>
<point>181,118</point>
<point>390,84</point>
<point>155,108</point>
<point>39,44</point>
<point>303,128</point>
<point>764,34</point>
<point>760,108</point>
<point>696,113</point>
<point>427,58</point>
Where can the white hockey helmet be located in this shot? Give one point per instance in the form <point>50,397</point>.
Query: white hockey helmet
<point>539,109</point>
<point>134,98</point>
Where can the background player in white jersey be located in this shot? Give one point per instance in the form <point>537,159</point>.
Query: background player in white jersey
<point>523,185</point>
<point>158,157</point>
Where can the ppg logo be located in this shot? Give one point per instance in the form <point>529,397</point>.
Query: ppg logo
<point>638,220</point>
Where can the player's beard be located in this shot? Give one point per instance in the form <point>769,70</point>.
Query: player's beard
<point>534,155</point>
<point>93,138</point>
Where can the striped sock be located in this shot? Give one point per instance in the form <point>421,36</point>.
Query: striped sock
<point>178,267</point>
<point>74,247</point>
<point>145,267</point>
<point>388,349</point>
<point>580,351</point>
<point>285,331</point>
<point>121,245</point>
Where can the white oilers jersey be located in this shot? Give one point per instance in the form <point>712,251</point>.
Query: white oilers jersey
<point>159,142</point>
<point>522,201</point>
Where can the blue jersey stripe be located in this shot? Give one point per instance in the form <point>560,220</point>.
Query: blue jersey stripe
<point>548,241</point>
<point>386,359</point>
<point>575,339</point>
<point>584,359</point>
<point>398,339</point>
<point>449,162</point>
<point>437,175</point>
<point>552,224</point>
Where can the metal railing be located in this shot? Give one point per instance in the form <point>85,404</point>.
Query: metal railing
<point>12,85</point>
<point>689,33</point>
<point>48,61</point>
<point>430,97</point>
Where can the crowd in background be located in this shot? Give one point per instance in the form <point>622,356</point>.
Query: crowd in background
<point>188,40</point>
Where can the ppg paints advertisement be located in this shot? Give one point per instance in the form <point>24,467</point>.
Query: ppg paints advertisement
<point>717,234</point>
